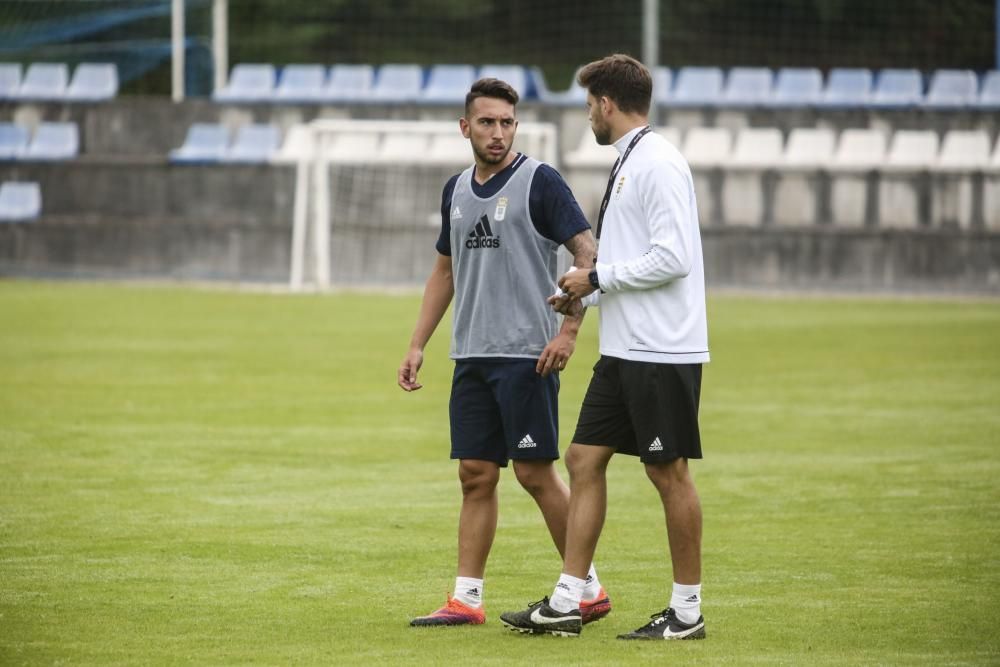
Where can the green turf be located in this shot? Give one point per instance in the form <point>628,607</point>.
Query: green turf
<point>209,477</point>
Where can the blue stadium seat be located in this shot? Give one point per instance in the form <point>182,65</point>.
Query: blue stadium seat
<point>204,143</point>
<point>350,83</point>
<point>54,141</point>
<point>897,89</point>
<point>748,87</point>
<point>537,83</point>
<point>952,89</point>
<point>10,80</point>
<point>448,84</point>
<point>248,83</point>
<point>573,95</point>
<point>512,74</point>
<point>797,87</point>
<point>847,88</point>
<point>20,201</point>
<point>662,83</point>
<point>254,143</point>
<point>989,94</point>
<point>697,86</point>
<point>13,141</point>
<point>301,83</point>
<point>93,82</point>
<point>44,81</point>
<point>398,83</point>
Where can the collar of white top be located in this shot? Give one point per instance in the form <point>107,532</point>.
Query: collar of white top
<point>622,144</point>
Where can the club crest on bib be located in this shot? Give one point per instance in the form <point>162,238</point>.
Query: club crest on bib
<point>501,209</point>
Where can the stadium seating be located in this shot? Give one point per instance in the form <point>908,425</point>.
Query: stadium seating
<point>254,143</point>
<point>797,190</point>
<point>809,148</point>
<point>448,84</point>
<point>897,89</point>
<point>397,84</point>
<point>963,152</point>
<point>350,83</point>
<point>301,83</point>
<point>450,149</point>
<point>574,96</point>
<point>991,191</point>
<point>662,83</point>
<point>10,80</point>
<point>847,88</point>
<point>20,201</point>
<point>54,141</point>
<point>44,81</point>
<point>859,149</point>
<point>515,75</point>
<point>297,145</point>
<point>93,82</point>
<point>707,147</point>
<point>859,152</point>
<point>248,83</point>
<point>743,197</point>
<point>989,94</point>
<point>697,86</point>
<point>748,87</point>
<point>353,148</point>
<point>589,154</point>
<point>952,89</point>
<point>402,148</point>
<point>797,87</point>
<point>911,154</point>
<point>13,141</point>
<point>671,134</point>
<point>204,143</point>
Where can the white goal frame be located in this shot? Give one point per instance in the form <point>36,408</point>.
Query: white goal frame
<point>316,152</point>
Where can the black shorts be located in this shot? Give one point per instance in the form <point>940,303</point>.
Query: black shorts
<point>643,409</point>
<point>503,410</point>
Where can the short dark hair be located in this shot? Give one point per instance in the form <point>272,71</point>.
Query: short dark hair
<point>490,87</point>
<point>621,78</point>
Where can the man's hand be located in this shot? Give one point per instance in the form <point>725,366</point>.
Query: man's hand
<point>407,374</point>
<point>576,284</point>
<point>562,304</point>
<point>556,354</point>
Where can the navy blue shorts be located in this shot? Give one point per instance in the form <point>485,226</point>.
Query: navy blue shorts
<point>502,410</point>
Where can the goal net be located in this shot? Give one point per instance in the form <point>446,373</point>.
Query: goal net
<point>368,196</point>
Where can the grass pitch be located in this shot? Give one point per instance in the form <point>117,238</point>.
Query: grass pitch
<point>199,477</point>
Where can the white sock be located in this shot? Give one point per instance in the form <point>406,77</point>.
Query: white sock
<point>592,587</point>
<point>567,594</point>
<point>469,591</point>
<point>686,602</point>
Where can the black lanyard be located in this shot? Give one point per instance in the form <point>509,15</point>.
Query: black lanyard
<point>619,163</point>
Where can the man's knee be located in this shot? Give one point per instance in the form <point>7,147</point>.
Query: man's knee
<point>535,476</point>
<point>478,477</point>
<point>586,462</point>
<point>671,474</point>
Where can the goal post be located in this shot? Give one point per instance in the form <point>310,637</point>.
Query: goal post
<point>368,196</point>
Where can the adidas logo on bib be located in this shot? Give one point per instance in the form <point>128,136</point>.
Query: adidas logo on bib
<point>526,443</point>
<point>656,445</point>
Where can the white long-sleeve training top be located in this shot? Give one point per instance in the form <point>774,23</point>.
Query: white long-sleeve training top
<point>649,262</point>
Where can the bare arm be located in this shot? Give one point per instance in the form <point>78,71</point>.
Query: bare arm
<point>438,293</point>
<point>583,247</point>
<point>557,353</point>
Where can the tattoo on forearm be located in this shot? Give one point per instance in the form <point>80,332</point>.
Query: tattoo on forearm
<point>583,248</point>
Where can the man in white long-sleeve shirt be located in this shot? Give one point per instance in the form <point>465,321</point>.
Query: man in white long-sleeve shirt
<point>643,397</point>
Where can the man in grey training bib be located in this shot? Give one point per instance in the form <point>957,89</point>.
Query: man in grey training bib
<point>502,222</point>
